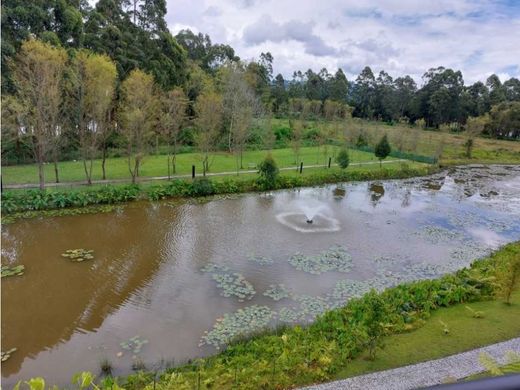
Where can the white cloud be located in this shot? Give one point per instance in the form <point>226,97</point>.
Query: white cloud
<point>478,37</point>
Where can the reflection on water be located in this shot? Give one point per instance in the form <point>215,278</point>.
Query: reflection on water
<point>146,278</point>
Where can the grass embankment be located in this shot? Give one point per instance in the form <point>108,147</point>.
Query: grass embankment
<point>336,344</point>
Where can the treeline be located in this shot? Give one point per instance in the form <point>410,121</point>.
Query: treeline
<point>83,79</point>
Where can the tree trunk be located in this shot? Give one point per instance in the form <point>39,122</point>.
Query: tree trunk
<point>87,173</point>
<point>168,163</point>
<point>103,162</point>
<point>241,159</point>
<point>41,175</point>
<point>56,173</point>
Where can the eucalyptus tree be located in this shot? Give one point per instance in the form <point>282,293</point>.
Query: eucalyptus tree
<point>137,114</point>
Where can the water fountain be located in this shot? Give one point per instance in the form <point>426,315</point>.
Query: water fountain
<point>309,215</point>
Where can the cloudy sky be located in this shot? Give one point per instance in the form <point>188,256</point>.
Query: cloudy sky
<point>400,36</point>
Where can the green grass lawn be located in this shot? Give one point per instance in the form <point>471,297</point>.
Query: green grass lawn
<point>501,322</point>
<point>156,165</point>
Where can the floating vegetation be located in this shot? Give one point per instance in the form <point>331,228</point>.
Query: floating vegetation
<point>261,260</point>
<point>7,354</point>
<point>335,258</point>
<point>312,306</point>
<point>133,344</point>
<point>231,283</point>
<point>288,315</point>
<point>437,235</point>
<point>78,255</point>
<point>277,292</point>
<point>346,289</point>
<point>7,219</point>
<point>240,323</point>
<point>16,270</point>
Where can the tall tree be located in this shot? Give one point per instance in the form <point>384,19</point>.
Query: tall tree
<point>38,76</point>
<point>137,113</point>
<point>364,94</point>
<point>208,111</point>
<point>94,85</point>
<point>338,86</point>
<point>497,92</point>
<point>173,115</point>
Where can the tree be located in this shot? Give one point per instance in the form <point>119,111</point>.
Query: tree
<point>296,138</point>
<point>507,274</point>
<point>37,76</point>
<point>94,86</point>
<point>173,116</point>
<point>343,158</point>
<point>374,314</point>
<point>338,87</point>
<point>208,111</point>
<point>382,149</point>
<point>364,93</point>
<point>474,127</point>
<point>268,171</point>
<point>239,105</point>
<point>137,111</point>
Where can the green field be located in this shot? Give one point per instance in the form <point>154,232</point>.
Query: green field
<point>156,165</point>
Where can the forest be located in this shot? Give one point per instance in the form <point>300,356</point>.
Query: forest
<point>79,81</point>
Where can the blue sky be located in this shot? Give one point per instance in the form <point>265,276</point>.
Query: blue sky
<point>400,36</point>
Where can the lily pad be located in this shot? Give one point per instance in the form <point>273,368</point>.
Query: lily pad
<point>7,354</point>
<point>134,344</point>
<point>16,270</point>
<point>277,292</point>
<point>78,255</point>
<point>231,283</point>
<point>335,258</point>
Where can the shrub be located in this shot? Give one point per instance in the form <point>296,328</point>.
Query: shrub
<point>342,158</point>
<point>268,171</point>
<point>383,149</point>
<point>202,186</point>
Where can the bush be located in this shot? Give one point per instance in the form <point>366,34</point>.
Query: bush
<point>268,171</point>
<point>343,159</point>
<point>202,187</point>
<point>382,149</point>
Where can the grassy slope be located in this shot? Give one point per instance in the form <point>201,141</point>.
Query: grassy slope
<point>501,322</point>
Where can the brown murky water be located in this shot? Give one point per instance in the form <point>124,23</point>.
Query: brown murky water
<point>146,278</point>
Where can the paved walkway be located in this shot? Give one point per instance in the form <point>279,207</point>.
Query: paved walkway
<point>156,178</point>
<point>424,374</point>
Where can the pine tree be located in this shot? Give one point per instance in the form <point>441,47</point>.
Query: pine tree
<point>383,149</point>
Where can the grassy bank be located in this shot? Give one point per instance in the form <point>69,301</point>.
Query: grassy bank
<point>402,325</point>
<point>29,203</point>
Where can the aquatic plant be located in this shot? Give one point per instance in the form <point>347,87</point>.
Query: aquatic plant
<point>310,306</point>
<point>231,283</point>
<point>16,270</point>
<point>288,315</point>
<point>7,354</point>
<point>242,322</point>
<point>335,258</point>
<point>261,260</point>
<point>134,344</point>
<point>78,255</point>
<point>277,292</point>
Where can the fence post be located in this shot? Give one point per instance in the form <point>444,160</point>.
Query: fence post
<point>193,171</point>
<point>301,167</point>
<point>330,159</point>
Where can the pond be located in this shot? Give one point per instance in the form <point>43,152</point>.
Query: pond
<point>164,282</point>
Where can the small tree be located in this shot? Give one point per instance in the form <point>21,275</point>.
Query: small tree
<point>374,315</point>
<point>268,171</point>
<point>296,139</point>
<point>507,275</point>
<point>361,140</point>
<point>173,116</point>
<point>382,149</point>
<point>138,112</point>
<point>208,110</point>
<point>38,76</point>
<point>343,158</point>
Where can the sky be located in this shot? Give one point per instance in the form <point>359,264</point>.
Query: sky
<point>400,36</point>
